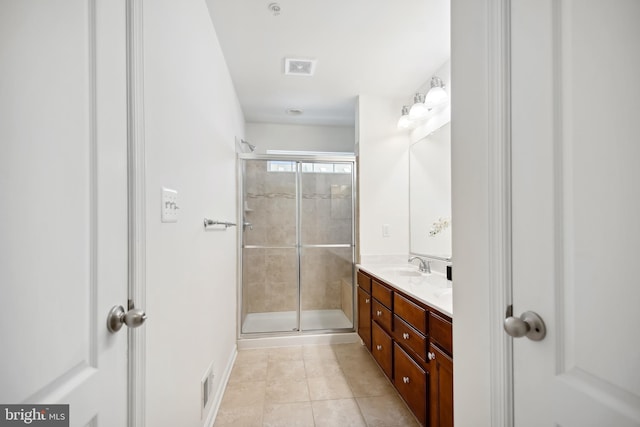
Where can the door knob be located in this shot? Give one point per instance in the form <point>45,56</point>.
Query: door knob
<point>118,317</point>
<point>529,324</point>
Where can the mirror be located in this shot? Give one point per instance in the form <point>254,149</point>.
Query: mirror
<point>430,194</point>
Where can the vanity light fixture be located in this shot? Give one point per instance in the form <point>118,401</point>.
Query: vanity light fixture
<point>405,122</point>
<point>418,109</point>
<point>436,96</point>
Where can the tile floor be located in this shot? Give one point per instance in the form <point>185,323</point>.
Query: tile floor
<point>323,386</point>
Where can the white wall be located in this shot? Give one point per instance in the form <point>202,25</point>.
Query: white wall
<point>192,117</point>
<point>470,195</point>
<point>383,177</point>
<point>271,136</point>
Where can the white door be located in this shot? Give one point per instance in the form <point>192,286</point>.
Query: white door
<point>63,206</point>
<point>576,210</point>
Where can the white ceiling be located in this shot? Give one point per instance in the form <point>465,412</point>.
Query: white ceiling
<point>374,47</point>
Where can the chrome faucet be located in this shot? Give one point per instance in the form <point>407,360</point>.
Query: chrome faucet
<point>425,266</point>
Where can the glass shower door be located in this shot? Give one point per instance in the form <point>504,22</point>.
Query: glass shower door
<point>270,298</point>
<point>326,245</point>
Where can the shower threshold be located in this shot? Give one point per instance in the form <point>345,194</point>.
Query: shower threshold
<point>285,321</point>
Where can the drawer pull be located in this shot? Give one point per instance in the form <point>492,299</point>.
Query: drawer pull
<point>379,347</point>
<point>366,301</point>
<point>379,313</point>
<point>431,356</point>
<point>405,380</point>
<point>405,335</point>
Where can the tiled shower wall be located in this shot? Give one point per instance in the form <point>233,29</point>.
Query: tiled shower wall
<point>270,275</point>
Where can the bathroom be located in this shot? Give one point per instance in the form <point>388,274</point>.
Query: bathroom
<point>178,107</point>
<point>321,189</point>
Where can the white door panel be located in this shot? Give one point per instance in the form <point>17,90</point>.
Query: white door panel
<point>576,204</point>
<point>63,222</point>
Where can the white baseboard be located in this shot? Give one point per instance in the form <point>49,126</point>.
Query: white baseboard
<point>213,412</point>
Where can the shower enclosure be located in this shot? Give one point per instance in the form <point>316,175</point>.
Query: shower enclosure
<point>297,253</point>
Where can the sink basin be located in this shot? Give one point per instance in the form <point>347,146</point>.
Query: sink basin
<point>408,273</point>
<point>404,271</point>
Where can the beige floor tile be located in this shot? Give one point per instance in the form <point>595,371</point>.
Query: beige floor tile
<point>297,414</point>
<point>243,394</point>
<point>349,350</point>
<point>386,411</point>
<point>285,353</point>
<point>242,405</point>
<point>248,371</point>
<point>247,417</point>
<point>315,352</point>
<point>359,364</point>
<point>248,356</point>
<point>370,385</point>
<point>325,388</point>
<point>334,413</point>
<point>285,369</point>
<point>322,368</point>
<point>287,391</point>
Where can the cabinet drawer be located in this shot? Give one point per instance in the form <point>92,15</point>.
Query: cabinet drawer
<point>381,293</point>
<point>382,349</point>
<point>410,312</point>
<point>409,337</point>
<point>440,332</point>
<point>411,381</point>
<point>381,314</point>
<point>364,281</point>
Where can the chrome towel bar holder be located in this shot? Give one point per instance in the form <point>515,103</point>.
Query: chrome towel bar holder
<point>211,223</point>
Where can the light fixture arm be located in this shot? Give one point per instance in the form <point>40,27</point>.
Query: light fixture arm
<point>437,82</point>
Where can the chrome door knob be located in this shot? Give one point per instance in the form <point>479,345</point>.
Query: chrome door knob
<point>118,317</point>
<point>406,380</point>
<point>529,324</point>
<point>405,336</point>
<point>431,356</point>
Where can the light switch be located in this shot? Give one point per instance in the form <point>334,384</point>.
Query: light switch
<point>169,205</point>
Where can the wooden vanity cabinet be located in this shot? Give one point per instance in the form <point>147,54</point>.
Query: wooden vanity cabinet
<point>440,371</point>
<point>441,387</point>
<point>364,308</point>
<point>412,343</point>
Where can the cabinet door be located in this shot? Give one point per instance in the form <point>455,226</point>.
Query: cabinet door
<point>382,349</point>
<point>441,388</point>
<point>411,381</point>
<point>364,317</point>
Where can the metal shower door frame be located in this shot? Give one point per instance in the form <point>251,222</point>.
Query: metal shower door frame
<point>240,185</point>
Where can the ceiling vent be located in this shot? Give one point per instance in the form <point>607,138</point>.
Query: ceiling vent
<point>299,67</point>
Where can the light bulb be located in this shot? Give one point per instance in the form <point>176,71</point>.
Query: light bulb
<point>418,109</point>
<point>404,122</point>
<point>436,95</point>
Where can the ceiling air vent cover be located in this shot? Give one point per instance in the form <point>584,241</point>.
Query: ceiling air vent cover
<point>299,67</point>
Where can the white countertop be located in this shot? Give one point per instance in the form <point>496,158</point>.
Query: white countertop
<point>432,289</point>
